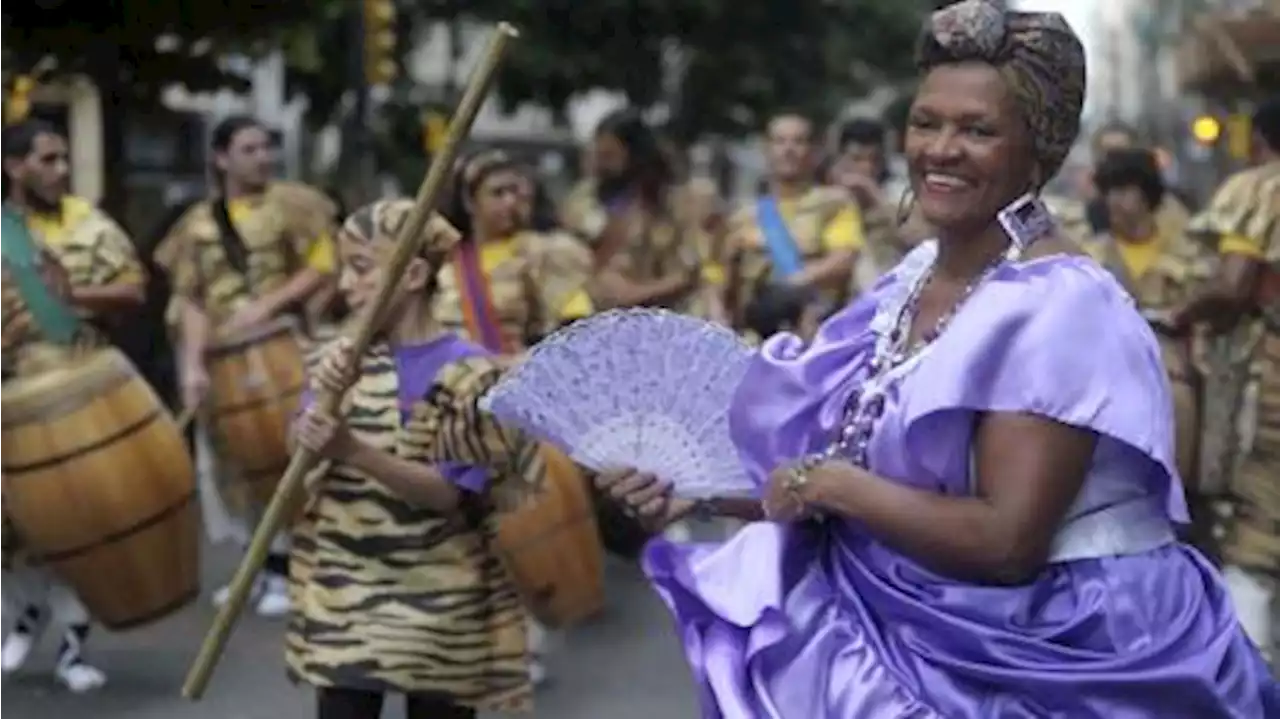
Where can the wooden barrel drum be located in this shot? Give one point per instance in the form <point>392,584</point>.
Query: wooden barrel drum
<point>256,383</point>
<point>552,548</point>
<point>99,485</point>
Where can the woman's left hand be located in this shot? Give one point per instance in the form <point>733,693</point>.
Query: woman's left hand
<point>325,435</point>
<point>782,501</point>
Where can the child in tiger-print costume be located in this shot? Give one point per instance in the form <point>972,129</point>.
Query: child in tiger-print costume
<point>396,587</point>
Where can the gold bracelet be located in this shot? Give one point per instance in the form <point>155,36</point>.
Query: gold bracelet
<point>797,479</point>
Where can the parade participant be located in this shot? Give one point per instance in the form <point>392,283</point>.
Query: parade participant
<point>1159,270</point>
<point>646,253</point>
<point>799,233</point>
<point>862,169</point>
<point>995,525</point>
<point>507,285</point>
<point>255,251</point>
<point>647,243</point>
<point>531,281</point>
<point>396,583</point>
<point>1171,216</point>
<point>92,267</point>
<point>1243,219</point>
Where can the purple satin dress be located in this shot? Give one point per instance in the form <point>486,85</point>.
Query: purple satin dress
<point>823,621</point>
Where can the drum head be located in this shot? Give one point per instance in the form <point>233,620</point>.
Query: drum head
<point>80,380</point>
<point>286,325</point>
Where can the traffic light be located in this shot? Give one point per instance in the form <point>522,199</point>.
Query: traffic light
<point>1206,129</point>
<point>1239,136</point>
<point>380,66</point>
<point>18,104</point>
<point>434,128</point>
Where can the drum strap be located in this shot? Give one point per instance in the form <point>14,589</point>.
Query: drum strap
<point>233,246</point>
<point>22,258</point>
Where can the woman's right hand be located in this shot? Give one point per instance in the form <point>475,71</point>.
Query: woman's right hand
<point>644,497</point>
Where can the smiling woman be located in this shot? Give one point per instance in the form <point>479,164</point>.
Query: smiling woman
<point>973,495</point>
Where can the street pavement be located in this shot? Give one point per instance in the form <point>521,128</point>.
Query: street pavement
<point>624,665</point>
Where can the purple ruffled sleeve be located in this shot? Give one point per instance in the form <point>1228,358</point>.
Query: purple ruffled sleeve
<point>1057,338</point>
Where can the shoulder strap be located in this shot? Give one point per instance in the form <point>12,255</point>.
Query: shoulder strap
<point>23,258</point>
<point>782,246</point>
<point>229,238</point>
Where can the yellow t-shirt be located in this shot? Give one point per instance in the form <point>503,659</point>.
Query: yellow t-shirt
<point>55,228</point>
<point>321,255</point>
<point>1139,256</point>
<point>842,232</point>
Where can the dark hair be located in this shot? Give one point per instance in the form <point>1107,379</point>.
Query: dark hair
<point>1115,127</point>
<point>1266,122</point>
<point>224,133</point>
<point>863,131</point>
<point>777,307</point>
<point>468,175</point>
<point>339,204</point>
<point>19,140</point>
<point>1131,168</point>
<point>545,218</point>
<point>648,158</point>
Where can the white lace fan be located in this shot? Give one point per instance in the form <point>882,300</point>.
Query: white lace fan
<point>641,388</point>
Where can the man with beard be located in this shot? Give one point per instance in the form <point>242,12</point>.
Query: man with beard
<point>646,245</point>
<point>799,233</point>
<point>98,275</point>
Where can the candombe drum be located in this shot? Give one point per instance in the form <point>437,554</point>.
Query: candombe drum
<point>552,548</point>
<point>99,486</point>
<point>255,384</point>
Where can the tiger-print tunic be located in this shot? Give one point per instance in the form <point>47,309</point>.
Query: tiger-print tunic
<point>748,266</point>
<point>92,248</point>
<point>286,229</point>
<point>1244,218</point>
<point>537,282</point>
<point>389,597</point>
<point>94,251</point>
<point>656,245</point>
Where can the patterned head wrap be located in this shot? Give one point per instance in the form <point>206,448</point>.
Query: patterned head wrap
<point>1037,53</point>
<point>380,222</point>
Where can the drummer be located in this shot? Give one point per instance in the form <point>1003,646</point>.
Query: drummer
<point>90,266</point>
<point>255,251</point>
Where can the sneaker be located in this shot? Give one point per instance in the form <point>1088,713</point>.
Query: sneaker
<point>537,672</point>
<point>220,596</point>
<point>274,601</point>
<point>79,677</point>
<point>17,648</point>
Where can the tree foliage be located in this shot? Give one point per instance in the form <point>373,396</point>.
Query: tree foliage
<point>741,60</point>
<point>142,46</point>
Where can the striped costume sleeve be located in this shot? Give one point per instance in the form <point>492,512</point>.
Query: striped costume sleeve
<point>114,259</point>
<point>469,435</point>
